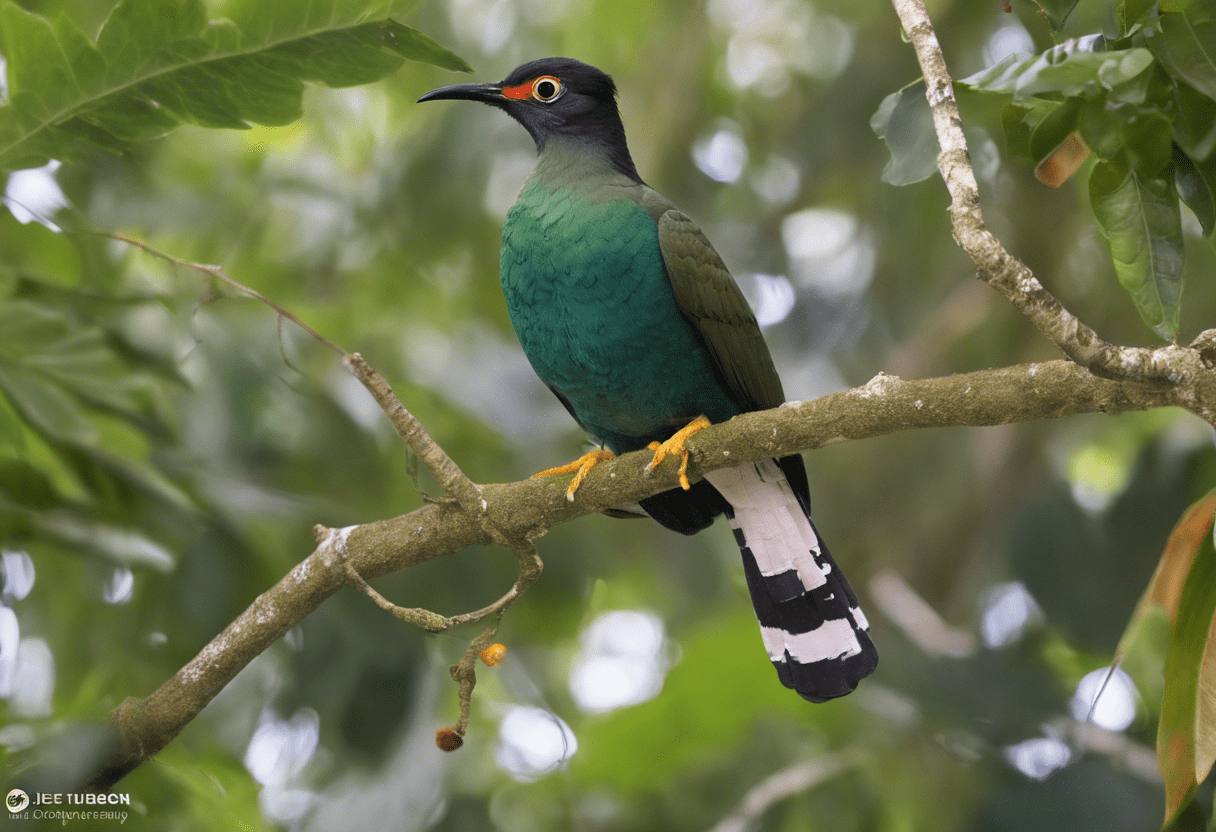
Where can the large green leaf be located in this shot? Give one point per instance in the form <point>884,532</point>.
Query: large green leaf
<point>1187,44</point>
<point>1186,735</point>
<point>157,65</point>
<point>1081,67</point>
<point>1142,222</point>
<point>903,120</point>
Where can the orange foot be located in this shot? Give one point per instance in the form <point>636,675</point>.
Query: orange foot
<point>580,467</point>
<point>675,446</point>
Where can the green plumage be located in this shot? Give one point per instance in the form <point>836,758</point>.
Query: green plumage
<point>586,283</point>
<point>628,314</point>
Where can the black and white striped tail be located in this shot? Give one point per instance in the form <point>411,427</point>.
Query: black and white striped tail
<point>814,632</point>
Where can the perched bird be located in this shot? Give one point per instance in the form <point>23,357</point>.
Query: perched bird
<point>631,318</point>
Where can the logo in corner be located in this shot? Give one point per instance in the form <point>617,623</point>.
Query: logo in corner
<point>16,800</point>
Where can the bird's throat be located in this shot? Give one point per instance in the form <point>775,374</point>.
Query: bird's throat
<point>585,165</point>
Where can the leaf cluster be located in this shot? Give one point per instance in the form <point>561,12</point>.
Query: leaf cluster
<point>155,66</point>
<point>1141,99</point>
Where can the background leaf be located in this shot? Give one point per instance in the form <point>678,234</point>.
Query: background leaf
<point>1187,44</point>
<point>1129,13</point>
<point>903,120</point>
<point>1141,221</point>
<point>1186,740</point>
<point>1084,67</point>
<point>1195,184</point>
<point>154,68</point>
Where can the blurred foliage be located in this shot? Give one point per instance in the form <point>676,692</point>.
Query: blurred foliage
<point>164,453</point>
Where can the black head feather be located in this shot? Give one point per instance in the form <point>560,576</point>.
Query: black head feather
<point>584,109</point>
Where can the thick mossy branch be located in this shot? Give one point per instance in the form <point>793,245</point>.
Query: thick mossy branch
<point>526,509</point>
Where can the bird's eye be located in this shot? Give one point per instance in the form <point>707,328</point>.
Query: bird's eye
<point>546,88</point>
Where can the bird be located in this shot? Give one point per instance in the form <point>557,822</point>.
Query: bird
<point>627,313</point>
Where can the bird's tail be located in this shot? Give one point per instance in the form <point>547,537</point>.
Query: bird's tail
<point>814,632</point>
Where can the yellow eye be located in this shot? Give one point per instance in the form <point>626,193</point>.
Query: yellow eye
<point>546,88</point>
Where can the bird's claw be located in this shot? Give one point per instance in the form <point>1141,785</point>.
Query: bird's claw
<point>675,447</point>
<point>579,467</point>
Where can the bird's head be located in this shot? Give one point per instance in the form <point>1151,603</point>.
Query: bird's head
<point>556,97</point>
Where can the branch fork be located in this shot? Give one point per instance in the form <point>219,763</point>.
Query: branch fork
<point>1182,369</point>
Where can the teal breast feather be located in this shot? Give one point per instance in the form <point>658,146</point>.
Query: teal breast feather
<point>592,305</point>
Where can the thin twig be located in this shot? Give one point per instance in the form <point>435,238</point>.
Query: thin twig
<point>446,472</point>
<point>464,673</point>
<point>218,273</point>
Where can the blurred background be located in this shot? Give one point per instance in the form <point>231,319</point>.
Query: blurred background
<point>998,567</point>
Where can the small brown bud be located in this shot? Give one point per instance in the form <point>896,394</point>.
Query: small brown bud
<point>447,739</point>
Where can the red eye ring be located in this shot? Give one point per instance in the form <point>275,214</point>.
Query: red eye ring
<point>547,88</point>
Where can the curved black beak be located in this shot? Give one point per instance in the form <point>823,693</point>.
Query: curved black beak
<point>488,93</point>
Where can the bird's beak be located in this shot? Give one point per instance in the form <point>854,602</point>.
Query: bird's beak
<point>489,93</point>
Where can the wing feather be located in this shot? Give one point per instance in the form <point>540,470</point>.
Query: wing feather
<point>711,300</point>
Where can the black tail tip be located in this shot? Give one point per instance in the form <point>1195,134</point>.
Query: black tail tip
<point>828,679</point>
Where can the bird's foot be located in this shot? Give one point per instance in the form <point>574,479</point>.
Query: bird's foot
<point>580,468</point>
<point>675,447</point>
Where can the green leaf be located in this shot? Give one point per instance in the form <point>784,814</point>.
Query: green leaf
<point>904,121</point>
<point>1081,67</point>
<point>12,431</point>
<point>1195,125</point>
<point>157,65</point>
<point>1186,735</point>
<point>1056,11</point>
<point>1129,13</point>
<point>1017,131</point>
<point>51,348</point>
<point>1197,188</point>
<point>47,407</point>
<point>1101,127</point>
<point>1187,45</point>
<point>1142,222</point>
<point>123,546</point>
<point>1148,140</point>
<point>1057,126</point>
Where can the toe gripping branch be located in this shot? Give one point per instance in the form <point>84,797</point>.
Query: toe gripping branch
<point>675,446</point>
<point>580,468</point>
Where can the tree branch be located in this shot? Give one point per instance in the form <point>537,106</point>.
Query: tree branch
<point>446,472</point>
<point>527,509</point>
<point>1179,367</point>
